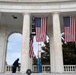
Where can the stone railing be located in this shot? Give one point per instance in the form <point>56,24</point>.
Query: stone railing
<point>45,68</point>
<point>70,68</point>
<point>8,68</point>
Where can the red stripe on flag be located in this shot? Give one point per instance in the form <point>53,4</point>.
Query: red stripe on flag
<point>31,52</point>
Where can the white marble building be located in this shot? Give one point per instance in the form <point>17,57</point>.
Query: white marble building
<point>15,16</point>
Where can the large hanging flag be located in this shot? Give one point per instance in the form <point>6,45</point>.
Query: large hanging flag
<point>41,28</point>
<point>70,29</point>
<point>31,52</point>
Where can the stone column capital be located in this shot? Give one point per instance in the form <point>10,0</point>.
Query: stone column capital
<point>53,13</point>
<point>26,13</point>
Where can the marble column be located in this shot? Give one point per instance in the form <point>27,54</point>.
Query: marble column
<point>30,63</point>
<point>57,44</point>
<point>25,43</point>
<point>2,48</point>
<point>0,16</point>
<point>52,51</point>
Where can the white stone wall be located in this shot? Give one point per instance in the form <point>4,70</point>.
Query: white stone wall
<point>4,34</point>
<point>12,29</point>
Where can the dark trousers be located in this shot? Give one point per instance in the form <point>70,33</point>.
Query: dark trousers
<point>13,69</point>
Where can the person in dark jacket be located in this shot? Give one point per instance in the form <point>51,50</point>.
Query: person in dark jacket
<point>15,65</point>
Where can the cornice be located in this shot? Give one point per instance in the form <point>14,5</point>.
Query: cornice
<point>38,7</point>
<point>35,2</point>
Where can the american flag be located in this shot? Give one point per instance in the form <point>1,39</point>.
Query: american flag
<point>31,52</point>
<point>70,29</point>
<point>41,28</point>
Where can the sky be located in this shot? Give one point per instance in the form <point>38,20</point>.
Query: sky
<point>14,47</point>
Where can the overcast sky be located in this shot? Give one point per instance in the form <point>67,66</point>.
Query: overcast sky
<point>14,47</point>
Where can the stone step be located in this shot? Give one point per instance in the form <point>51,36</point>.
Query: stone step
<point>38,74</point>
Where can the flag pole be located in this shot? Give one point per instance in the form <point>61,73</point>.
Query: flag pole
<point>39,57</point>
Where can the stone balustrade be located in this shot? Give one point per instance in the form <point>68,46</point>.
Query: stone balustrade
<point>70,68</point>
<point>45,68</point>
<point>8,68</point>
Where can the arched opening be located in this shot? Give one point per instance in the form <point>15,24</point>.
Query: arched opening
<point>14,48</point>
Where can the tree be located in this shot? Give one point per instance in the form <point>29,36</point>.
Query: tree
<point>45,56</point>
<point>34,60</point>
<point>69,53</point>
